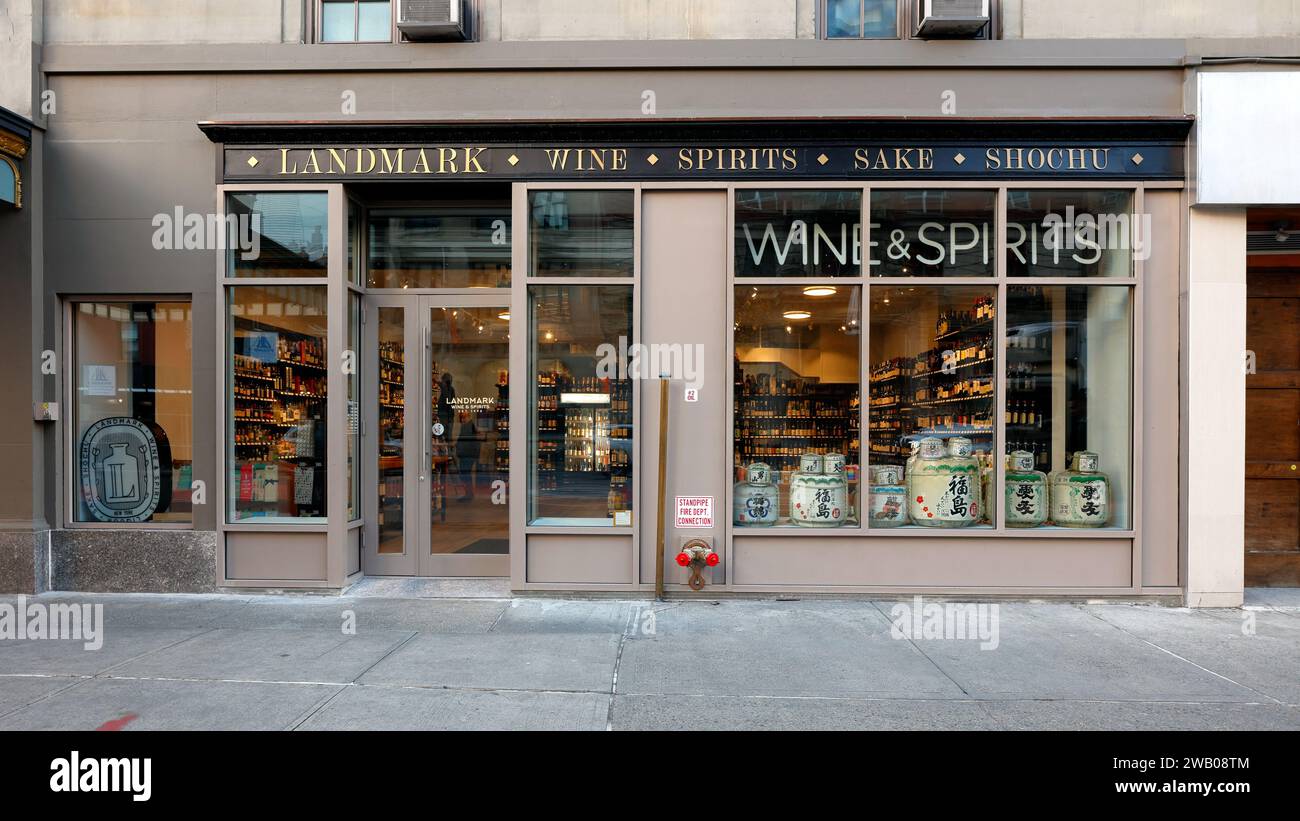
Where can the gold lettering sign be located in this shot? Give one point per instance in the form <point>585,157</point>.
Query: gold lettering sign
<point>841,161</point>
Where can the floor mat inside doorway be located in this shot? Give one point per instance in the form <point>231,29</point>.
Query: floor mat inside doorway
<point>496,546</point>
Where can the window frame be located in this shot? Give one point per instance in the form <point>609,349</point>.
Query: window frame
<point>998,282</point>
<point>905,19</point>
<point>318,25</point>
<point>521,280</point>
<point>68,339</point>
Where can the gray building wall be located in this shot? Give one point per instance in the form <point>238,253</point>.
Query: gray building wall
<point>288,21</point>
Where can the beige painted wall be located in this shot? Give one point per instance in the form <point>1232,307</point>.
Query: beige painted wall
<point>1129,19</point>
<point>171,21</point>
<point>647,19</point>
<point>1215,407</point>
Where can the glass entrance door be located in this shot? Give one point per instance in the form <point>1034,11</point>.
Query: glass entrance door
<point>441,404</point>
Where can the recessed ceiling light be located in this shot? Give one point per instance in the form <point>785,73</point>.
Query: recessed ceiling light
<point>819,290</point>
<point>797,314</point>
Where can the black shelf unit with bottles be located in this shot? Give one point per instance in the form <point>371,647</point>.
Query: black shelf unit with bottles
<point>779,416</point>
<point>278,419</point>
<point>1029,374</point>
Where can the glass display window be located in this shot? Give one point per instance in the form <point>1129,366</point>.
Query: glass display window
<point>445,246</point>
<point>276,380</point>
<point>932,402</point>
<point>580,438</point>
<point>788,232</point>
<point>1069,355</point>
<point>1073,233</point>
<point>581,233</point>
<point>797,405</point>
<point>278,234</point>
<point>132,412</point>
<point>926,232</point>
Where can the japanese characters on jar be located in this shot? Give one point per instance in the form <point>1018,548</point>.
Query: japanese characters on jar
<point>1026,491</point>
<point>757,500</point>
<point>888,496</point>
<point>818,499</point>
<point>1080,495</point>
<point>944,487</point>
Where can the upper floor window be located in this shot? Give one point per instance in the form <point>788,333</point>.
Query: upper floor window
<point>356,21</point>
<point>861,19</point>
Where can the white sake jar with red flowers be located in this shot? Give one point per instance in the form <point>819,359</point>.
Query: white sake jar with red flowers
<point>944,486</point>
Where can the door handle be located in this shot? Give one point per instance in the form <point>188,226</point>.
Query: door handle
<point>427,428</point>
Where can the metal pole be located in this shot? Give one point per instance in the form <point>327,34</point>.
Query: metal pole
<point>663,472</point>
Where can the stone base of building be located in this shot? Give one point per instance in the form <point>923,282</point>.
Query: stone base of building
<point>108,561</point>
<point>24,561</point>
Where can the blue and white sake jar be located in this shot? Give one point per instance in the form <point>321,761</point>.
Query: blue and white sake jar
<point>756,502</point>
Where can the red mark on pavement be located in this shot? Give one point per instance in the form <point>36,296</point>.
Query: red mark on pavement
<point>116,724</point>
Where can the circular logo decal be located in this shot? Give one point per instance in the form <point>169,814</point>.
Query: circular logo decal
<point>120,472</point>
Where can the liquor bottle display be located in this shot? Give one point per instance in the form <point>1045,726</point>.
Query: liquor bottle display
<point>944,390</point>
<point>277,387</point>
<point>793,426</point>
<point>584,437</point>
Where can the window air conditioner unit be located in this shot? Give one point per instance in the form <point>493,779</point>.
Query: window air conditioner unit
<point>434,19</point>
<point>951,18</point>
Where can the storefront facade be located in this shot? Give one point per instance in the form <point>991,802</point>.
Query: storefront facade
<point>425,342</point>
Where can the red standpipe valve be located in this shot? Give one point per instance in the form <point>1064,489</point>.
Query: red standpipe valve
<point>697,554</point>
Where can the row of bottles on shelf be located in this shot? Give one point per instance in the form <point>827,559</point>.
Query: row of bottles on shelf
<point>769,451</point>
<point>953,421</point>
<point>798,408</point>
<point>392,352</point>
<point>1025,413</point>
<point>954,321</point>
<point>391,394</point>
<point>301,351</point>
<point>965,388</point>
<point>749,429</point>
<point>1022,376</point>
<point>284,412</point>
<point>766,385</point>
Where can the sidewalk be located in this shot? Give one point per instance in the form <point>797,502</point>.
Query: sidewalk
<point>282,662</point>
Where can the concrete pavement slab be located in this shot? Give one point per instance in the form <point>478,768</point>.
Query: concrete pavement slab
<point>69,657</point>
<point>561,616</point>
<point>19,691</point>
<point>425,615</point>
<point>269,655</point>
<point>502,661</point>
<point>836,649</point>
<point>1258,648</point>
<point>646,712</point>
<point>1054,651</point>
<point>402,708</point>
<point>1121,716</point>
<point>132,704</point>
<point>172,610</point>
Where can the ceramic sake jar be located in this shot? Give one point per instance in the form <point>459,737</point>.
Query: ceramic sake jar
<point>1081,495</point>
<point>1026,491</point>
<point>757,500</point>
<point>819,499</point>
<point>888,497</point>
<point>943,489</point>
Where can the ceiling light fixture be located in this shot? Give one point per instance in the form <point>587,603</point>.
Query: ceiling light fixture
<point>799,314</point>
<point>819,290</point>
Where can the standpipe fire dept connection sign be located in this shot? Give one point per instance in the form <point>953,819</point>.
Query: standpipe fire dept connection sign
<point>694,511</point>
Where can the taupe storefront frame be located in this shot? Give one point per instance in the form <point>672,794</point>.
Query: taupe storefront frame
<point>1142,560</point>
